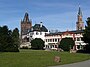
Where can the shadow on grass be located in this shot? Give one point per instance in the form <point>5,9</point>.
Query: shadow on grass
<point>84,51</point>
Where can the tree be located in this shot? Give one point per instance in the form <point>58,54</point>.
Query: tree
<point>86,35</point>
<point>7,41</point>
<point>4,38</point>
<point>15,37</point>
<point>37,43</point>
<point>66,44</point>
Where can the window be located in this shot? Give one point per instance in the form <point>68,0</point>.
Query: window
<point>50,40</point>
<point>31,33</point>
<point>58,40</point>
<point>55,46</point>
<point>36,33</point>
<point>46,40</point>
<point>55,40</point>
<point>81,38</point>
<point>78,39</point>
<point>40,33</point>
<point>74,39</point>
<point>52,46</point>
<point>27,39</point>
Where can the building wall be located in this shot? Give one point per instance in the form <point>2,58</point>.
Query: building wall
<point>25,27</point>
<point>54,40</point>
<point>37,34</point>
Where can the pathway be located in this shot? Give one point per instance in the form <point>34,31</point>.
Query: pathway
<point>79,64</point>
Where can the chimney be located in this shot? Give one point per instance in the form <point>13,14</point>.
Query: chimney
<point>40,24</point>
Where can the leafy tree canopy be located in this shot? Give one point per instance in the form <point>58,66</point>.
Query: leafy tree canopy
<point>37,43</point>
<point>66,44</point>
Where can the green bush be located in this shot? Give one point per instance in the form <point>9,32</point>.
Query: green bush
<point>37,44</point>
<point>66,44</point>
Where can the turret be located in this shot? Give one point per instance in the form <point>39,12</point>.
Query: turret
<point>79,23</point>
<point>26,17</point>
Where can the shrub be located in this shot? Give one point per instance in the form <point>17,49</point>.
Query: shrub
<point>66,44</point>
<point>37,44</point>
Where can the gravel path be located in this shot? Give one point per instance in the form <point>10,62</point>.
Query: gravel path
<point>79,64</point>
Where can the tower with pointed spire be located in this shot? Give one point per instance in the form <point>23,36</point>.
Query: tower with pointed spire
<point>26,24</point>
<point>79,23</point>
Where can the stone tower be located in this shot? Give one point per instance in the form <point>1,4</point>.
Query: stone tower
<point>26,24</point>
<point>79,23</point>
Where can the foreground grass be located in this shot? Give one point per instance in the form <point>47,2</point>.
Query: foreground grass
<point>32,58</point>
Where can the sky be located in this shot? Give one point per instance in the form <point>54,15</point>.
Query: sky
<point>55,14</point>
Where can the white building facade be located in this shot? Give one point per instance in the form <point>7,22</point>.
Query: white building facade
<point>52,41</point>
<point>37,31</point>
<point>37,34</point>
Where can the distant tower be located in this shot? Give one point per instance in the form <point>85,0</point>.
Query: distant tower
<point>26,24</point>
<point>79,23</point>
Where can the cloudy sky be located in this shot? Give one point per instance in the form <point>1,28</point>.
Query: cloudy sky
<point>55,14</point>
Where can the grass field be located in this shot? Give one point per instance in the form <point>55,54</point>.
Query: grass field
<point>32,58</point>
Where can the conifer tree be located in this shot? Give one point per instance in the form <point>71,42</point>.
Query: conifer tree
<point>15,37</point>
<point>4,37</point>
<point>86,36</point>
<point>9,40</point>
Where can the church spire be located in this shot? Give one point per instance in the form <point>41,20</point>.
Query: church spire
<point>79,11</point>
<point>26,24</point>
<point>26,17</point>
<point>79,23</point>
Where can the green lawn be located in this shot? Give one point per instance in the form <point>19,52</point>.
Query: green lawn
<point>32,58</point>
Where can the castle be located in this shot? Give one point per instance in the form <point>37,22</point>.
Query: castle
<point>29,32</point>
